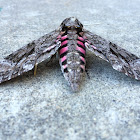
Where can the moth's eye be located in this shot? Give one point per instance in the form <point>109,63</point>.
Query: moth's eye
<point>68,27</point>
<point>78,28</point>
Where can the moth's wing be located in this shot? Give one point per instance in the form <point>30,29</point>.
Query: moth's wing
<point>26,57</point>
<point>120,59</point>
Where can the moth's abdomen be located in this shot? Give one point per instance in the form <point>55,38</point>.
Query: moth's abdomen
<point>72,54</point>
<point>72,59</point>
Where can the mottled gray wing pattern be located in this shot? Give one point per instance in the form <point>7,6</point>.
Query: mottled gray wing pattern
<point>120,59</point>
<point>28,56</point>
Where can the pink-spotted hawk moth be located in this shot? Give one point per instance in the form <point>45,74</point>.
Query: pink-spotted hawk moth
<point>70,41</point>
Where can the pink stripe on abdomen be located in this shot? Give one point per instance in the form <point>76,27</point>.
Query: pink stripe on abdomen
<point>63,37</point>
<point>63,50</point>
<point>82,68</point>
<point>63,59</point>
<point>80,38</point>
<point>80,43</point>
<point>81,50</point>
<point>83,59</point>
<point>64,43</point>
<point>64,66</point>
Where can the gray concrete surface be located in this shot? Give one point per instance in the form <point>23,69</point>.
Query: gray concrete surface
<point>107,106</point>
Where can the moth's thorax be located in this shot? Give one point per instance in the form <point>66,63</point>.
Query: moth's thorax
<point>72,57</point>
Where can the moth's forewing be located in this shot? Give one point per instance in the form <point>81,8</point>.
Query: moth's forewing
<point>120,59</point>
<point>26,57</point>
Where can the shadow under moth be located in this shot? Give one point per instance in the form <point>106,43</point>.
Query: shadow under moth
<point>70,41</point>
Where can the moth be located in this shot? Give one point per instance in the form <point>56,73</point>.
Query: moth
<point>70,41</point>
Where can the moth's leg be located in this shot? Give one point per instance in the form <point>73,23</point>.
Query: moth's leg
<point>35,69</point>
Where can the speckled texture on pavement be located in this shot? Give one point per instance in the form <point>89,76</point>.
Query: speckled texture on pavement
<point>107,107</point>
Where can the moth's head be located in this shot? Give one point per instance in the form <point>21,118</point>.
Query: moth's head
<point>71,23</point>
